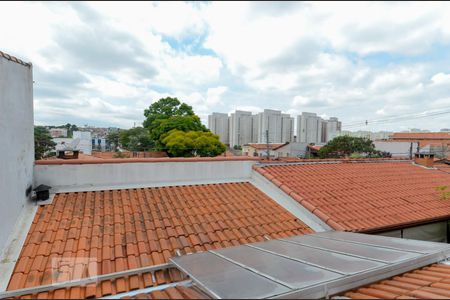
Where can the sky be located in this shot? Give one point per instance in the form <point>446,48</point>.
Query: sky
<point>102,64</point>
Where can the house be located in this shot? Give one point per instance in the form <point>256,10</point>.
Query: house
<point>220,227</point>
<point>394,198</point>
<point>260,150</point>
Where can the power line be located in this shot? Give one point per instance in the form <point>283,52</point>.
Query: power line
<point>392,119</point>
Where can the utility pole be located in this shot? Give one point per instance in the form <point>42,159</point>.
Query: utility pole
<point>411,151</point>
<point>267,140</point>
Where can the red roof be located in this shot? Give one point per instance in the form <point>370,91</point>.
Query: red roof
<point>421,135</point>
<point>177,292</point>
<point>432,282</point>
<point>264,146</point>
<point>14,59</point>
<point>133,228</point>
<point>364,197</point>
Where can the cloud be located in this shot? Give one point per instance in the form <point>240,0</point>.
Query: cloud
<point>103,63</point>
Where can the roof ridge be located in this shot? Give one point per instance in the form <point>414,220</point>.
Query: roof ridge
<point>14,59</point>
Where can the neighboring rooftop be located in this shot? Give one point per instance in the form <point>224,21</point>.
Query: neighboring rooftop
<point>133,228</point>
<point>421,135</point>
<point>364,197</point>
<point>14,59</point>
<point>264,146</point>
<point>431,282</point>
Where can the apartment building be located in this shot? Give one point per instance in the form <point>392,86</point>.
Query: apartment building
<point>218,123</point>
<point>311,128</point>
<point>241,128</point>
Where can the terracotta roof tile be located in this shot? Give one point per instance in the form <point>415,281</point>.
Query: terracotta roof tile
<point>243,214</point>
<point>366,196</point>
<point>409,285</point>
<point>14,59</point>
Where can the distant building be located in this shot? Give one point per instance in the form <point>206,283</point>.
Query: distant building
<point>374,136</point>
<point>397,149</point>
<point>309,128</point>
<point>260,150</point>
<point>279,127</point>
<point>333,129</point>
<point>58,132</point>
<point>85,144</point>
<point>241,128</point>
<point>218,124</point>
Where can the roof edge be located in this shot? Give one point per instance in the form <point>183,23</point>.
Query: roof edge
<point>141,160</point>
<point>14,59</point>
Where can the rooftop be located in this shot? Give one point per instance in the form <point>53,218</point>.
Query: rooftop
<point>264,146</point>
<point>134,228</point>
<point>431,282</point>
<point>364,197</point>
<point>14,59</point>
<point>421,135</point>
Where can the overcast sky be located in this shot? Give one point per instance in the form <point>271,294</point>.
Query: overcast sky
<point>103,63</point>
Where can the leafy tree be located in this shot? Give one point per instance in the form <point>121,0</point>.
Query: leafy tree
<point>344,146</point>
<point>165,108</point>
<point>193,143</point>
<point>112,139</point>
<point>42,142</point>
<point>136,139</point>
<point>183,123</point>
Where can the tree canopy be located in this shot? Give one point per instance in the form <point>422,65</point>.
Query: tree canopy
<point>183,123</point>
<point>42,142</point>
<point>112,139</point>
<point>168,114</point>
<point>193,143</point>
<point>344,146</point>
<point>165,108</point>
<point>136,139</point>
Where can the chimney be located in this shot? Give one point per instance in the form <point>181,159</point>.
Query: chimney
<point>426,160</point>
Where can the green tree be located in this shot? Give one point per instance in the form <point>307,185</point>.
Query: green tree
<point>112,139</point>
<point>183,123</point>
<point>136,139</point>
<point>165,108</point>
<point>344,146</point>
<point>43,143</point>
<point>193,143</point>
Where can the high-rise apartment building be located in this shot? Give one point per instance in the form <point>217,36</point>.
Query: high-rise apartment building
<point>333,128</point>
<point>313,129</point>
<point>241,128</point>
<point>280,127</point>
<point>218,124</point>
<point>309,128</point>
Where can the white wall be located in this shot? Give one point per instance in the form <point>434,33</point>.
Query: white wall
<point>16,142</point>
<point>77,177</point>
<point>397,149</point>
<point>85,144</point>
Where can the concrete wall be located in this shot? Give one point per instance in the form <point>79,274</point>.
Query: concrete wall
<point>77,177</point>
<point>16,143</point>
<point>397,149</point>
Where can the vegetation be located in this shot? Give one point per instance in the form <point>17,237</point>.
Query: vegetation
<point>112,140</point>
<point>162,127</point>
<point>192,143</point>
<point>119,154</point>
<point>43,144</point>
<point>165,108</point>
<point>444,191</point>
<point>136,139</point>
<point>354,147</point>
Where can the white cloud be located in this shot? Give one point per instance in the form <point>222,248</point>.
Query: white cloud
<point>353,60</point>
